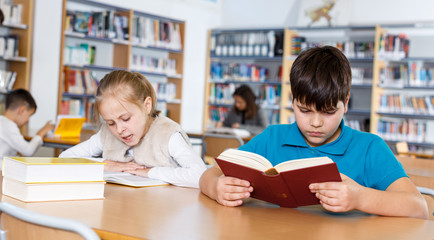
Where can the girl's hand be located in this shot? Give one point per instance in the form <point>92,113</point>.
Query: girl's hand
<point>115,166</point>
<point>338,196</point>
<point>143,172</point>
<point>230,191</point>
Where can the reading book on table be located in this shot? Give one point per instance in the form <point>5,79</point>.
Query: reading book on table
<point>242,133</point>
<point>68,126</point>
<point>127,179</point>
<point>286,184</point>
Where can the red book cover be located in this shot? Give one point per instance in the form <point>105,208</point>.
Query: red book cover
<point>286,189</point>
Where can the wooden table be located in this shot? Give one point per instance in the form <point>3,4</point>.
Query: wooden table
<point>169,212</point>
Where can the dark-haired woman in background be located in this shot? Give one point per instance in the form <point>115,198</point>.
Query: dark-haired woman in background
<point>245,114</point>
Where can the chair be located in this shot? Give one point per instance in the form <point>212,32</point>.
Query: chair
<point>214,144</point>
<point>19,223</point>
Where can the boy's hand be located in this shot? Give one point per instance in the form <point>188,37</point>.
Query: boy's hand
<point>236,125</point>
<point>338,196</point>
<point>115,166</point>
<point>143,172</point>
<point>230,191</point>
<point>45,129</point>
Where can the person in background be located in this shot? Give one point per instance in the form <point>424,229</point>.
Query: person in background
<point>20,106</point>
<point>135,137</point>
<point>245,114</point>
<point>373,180</point>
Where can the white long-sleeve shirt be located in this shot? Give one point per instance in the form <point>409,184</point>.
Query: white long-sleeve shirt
<point>12,142</point>
<point>187,175</point>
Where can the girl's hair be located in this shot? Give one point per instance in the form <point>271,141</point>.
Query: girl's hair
<point>321,77</point>
<point>246,93</point>
<point>127,86</point>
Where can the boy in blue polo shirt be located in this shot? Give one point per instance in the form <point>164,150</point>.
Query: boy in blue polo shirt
<point>373,180</point>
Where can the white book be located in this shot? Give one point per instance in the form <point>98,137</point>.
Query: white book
<point>37,192</point>
<point>45,169</point>
<point>127,179</point>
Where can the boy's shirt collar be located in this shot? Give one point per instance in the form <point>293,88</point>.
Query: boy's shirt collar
<point>337,147</point>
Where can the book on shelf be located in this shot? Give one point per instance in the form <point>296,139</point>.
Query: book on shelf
<point>52,191</point>
<point>286,184</point>
<point>68,126</point>
<point>47,169</point>
<point>128,179</point>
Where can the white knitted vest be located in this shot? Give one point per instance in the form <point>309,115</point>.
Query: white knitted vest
<point>151,151</point>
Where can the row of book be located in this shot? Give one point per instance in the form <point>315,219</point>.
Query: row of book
<point>154,65</point>
<point>7,80</point>
<point>100,24</point>
<point>9,46</point>
<point>406,104</point>
<point>79,54</point>
<point>351,49</point>
<point>241,72</point>
<point>409,130</point>
<point>356,125</point>
<point>249,43</point>
<point>393,46</point>
<point>415,73</point>
<point>79,81</point>
<point>361,75</point>
<point>148,32</point>
<point>165,91</point>
<point>78,107</point>
<point>12,13</point>
<point>218,114</point>
<point>52,179</point>
<point>265,94</point>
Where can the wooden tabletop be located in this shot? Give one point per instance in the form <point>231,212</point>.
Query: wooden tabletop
<point>169,212</point>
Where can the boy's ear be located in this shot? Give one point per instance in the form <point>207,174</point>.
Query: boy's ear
<point>21,109</point>
<point>346,102</point>
<point>148,105</point>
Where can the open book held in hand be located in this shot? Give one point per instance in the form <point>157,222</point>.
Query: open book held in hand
<point>286,184</point>
<point>127,179</point>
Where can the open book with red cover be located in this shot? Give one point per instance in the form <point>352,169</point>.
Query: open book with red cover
<point>286,184</point>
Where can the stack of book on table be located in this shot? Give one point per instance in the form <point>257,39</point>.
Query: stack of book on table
<point>34,179</point>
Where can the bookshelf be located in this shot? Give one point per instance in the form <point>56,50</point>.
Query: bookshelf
<point>15,57</point>
<point>403,86</point>
<point>356,42</point>
<point>253,57</point>
<point>98,38</point>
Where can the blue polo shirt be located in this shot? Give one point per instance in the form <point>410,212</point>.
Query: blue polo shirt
<point>364,157</point>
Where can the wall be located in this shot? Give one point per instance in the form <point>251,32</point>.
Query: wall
<point>199,15</point>
<point>258,13</point>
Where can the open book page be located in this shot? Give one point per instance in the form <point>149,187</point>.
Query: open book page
<point>247,159</point>
<point>242,133</point>
<point>302,163</point>
<point>132,180</point>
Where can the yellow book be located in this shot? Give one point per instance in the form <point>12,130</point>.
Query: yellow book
<point>68,126</point>
<point>43,169</point>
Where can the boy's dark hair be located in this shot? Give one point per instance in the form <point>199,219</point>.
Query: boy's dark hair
<point>246,93</point>
<point>321,77</point>
<point>18,98</point>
